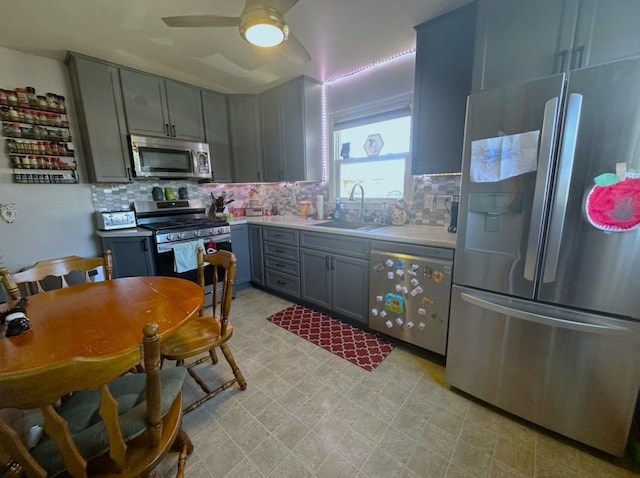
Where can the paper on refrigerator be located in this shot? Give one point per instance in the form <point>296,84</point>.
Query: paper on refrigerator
<point>503,157</point>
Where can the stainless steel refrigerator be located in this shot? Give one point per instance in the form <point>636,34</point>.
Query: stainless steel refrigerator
<point>545,307</point>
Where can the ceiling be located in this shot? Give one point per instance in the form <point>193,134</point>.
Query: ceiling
<point>340,36</point>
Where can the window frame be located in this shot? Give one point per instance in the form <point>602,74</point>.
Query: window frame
<point>375,111</point>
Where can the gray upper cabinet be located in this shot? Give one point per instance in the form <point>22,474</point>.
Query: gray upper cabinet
<point>216,128</point>
<point>522,41</point>
<point>244,124</point>
<point>103,131</point>
<point>158,107</point>
<point>291,119</point>
<point>444,62</point>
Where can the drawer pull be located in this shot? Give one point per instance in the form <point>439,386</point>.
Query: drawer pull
<point>280,251</point>
<point>281,283</point>
<point>278,235</point>
<point>280,265</point>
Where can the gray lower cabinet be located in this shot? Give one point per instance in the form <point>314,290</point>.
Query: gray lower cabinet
<point>132,256</point>
<point>216,129</point>
<point>244,124</point>
<point>522,41</point>
<point>103,130</point>
<point>158,107</point>
<point>282,261</point>
<point>240,246</point>
<point>255,254</point>
<point>444,62</point>
<point>335,273</point>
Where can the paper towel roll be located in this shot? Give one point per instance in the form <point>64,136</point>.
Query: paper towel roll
<point>320,206</point>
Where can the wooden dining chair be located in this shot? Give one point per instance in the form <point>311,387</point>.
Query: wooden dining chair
<point>30,280</point>
<point>204,334</point>
<point>108,425</point>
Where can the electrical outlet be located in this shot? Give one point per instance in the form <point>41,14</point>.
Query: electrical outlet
<point>428,202</point>
<point>443,202</point>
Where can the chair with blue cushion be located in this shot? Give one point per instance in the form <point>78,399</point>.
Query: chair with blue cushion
<point>96,421</point>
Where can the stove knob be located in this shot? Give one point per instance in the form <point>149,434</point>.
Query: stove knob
<point>181,235</point>
<point>170,237</point>
<point>212,231</point>
<point>197,233</point>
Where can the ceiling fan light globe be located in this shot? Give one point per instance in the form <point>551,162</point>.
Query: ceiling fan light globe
<point>265,35</point>
<point>263,27</point>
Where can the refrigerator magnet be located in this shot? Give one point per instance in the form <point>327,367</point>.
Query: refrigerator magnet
<point>401,264</point>
<point>422,325</point>
<point>426,300</point>
<point>389,324</point>
<point>383,314</point>
<point>374,312</point>
<point>389,263</point>
<point>399,272</point>
<point>399,321</point>
<point>390,275</point>
<point>427,272</point>
<point>447,269</point>
<point>438,277</point>
<point>409,325</point>
<point>394,303</point>
<point>436,317</point>
<point>422,311</point>
<point>414,292</point>
<point>379,267</point>
<point>415,267</point>
<point>398,287</point>
<point>378,298</point>
<point>405,291</point>
<point>415,282</point>
<point>411,272</point>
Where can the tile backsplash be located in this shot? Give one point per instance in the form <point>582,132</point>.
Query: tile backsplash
<point>426,208</point>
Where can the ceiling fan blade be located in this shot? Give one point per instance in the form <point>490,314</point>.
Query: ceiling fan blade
<point>201,21</point>
<point>283,6</point>
<point>294,50</point>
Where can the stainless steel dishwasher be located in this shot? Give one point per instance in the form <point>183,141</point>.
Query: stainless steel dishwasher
<point>409,293</point>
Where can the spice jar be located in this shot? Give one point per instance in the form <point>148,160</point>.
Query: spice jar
<point>23,99</point>
<point>42,101</point>
<point>3,97</point>
<point>52,101</point>
<point>32,98</point>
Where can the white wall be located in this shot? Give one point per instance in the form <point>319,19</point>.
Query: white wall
<point>375,86</point>
<point>53,220</point>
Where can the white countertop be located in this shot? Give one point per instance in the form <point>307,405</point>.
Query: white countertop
<point>419,235</point>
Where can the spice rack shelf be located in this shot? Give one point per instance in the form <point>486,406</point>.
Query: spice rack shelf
<point>38,137</point>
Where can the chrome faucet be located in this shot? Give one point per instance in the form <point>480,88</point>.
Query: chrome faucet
<point>352,198</point>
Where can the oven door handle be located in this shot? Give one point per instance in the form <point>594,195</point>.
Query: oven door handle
<point>168,246</point>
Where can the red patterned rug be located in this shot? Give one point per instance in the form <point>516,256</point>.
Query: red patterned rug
<point>357,346</point>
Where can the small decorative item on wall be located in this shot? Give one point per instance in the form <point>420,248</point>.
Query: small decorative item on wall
<point>8,212</point>
<point>344,151</point>
<point>38,137</point>
<point>373,145</point>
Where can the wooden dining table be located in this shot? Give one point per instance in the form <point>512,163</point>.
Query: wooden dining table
<point>97,319</point>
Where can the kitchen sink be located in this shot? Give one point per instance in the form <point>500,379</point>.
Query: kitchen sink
<point>357,226</point>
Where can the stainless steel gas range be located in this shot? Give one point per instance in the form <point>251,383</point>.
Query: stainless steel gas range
<point>180,222</point>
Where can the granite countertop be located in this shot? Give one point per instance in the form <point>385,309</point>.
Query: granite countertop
<point>409,234</point>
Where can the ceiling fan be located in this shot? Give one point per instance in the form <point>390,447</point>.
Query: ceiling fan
<point>261,23</point>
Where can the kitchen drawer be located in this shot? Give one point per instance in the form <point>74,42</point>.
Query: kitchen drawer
<point>282,251</point>
<point>284,283</point>
<point>281,235</point>
<point>282,265</point>
<point>335,244</point>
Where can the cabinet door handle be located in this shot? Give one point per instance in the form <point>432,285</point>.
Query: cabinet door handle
<point>327,262</point>
<point>173,130</point>
<point>281,282</point>
<point>144,246</point>
<point>279,251</point>
<point>259,177</point>
<point>562,58</point>
<point>280,265</point>
<point>577,57</point>
<point>333,263</point>
<point>166,129</point>
<point>129,174</point>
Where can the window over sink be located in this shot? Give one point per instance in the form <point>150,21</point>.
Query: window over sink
<point>373,150</point>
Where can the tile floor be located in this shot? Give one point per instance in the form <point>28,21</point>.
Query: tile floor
<point>308,413</point>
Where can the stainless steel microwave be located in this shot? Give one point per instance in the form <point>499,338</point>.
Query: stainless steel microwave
<point>169,158</point>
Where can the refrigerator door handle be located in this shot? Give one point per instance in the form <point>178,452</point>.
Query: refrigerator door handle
<point>545,157</point>
<point>544,319</point>
<point>563,180</point>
